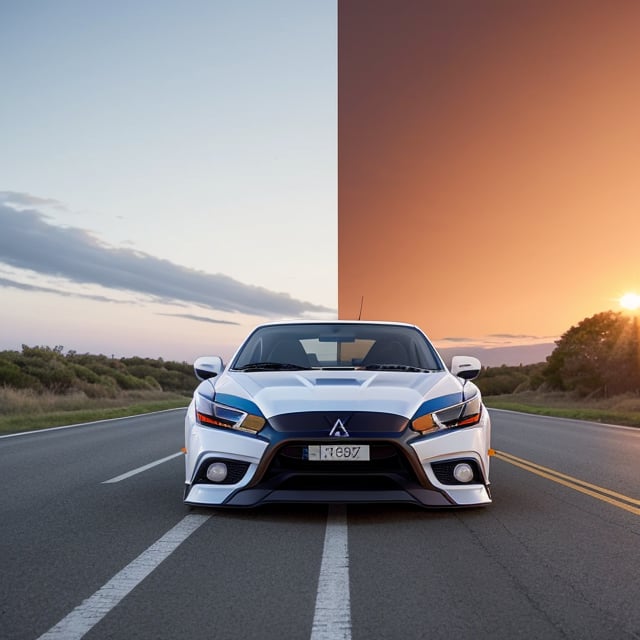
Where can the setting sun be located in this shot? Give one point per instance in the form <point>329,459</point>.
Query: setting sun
<point>630,301</point>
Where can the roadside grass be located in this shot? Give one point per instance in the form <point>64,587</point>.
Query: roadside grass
<point>622,410</point>
<point>27,410</point>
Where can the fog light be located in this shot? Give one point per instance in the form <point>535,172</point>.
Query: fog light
<point>461,472</point>
<point>217,472</point>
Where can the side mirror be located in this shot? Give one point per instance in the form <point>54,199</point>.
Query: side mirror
<point>208,367</point>
<point>465,367</point>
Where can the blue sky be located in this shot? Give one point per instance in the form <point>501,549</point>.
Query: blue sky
<point>168,172</point>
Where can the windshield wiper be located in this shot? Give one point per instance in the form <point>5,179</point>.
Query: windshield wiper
<point>396,367</point>
<point>271,366</point>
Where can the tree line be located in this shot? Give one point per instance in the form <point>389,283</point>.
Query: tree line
<point>598,357</point>
<point>97,376</point>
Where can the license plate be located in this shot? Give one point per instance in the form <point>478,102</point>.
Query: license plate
<point>338,452</point>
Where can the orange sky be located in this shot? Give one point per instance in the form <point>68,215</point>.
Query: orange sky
<point>489,162</point>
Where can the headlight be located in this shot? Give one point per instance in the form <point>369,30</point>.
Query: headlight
<point>214,414</point>
<point>465,414</point>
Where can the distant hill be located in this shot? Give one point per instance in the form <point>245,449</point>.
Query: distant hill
<point>496,356</point>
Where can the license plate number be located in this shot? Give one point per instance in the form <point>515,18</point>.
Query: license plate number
<point>338,452</point>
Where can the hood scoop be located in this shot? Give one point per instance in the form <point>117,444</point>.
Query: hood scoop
<point>342,382</point>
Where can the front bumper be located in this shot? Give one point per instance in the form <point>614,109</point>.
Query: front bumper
<point>411,472</point>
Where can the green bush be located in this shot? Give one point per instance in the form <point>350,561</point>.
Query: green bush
<point>96,376</point>
<point>11,375</point>
<point>495,381</point>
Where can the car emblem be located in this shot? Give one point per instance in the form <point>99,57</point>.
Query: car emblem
<point>339,430</point>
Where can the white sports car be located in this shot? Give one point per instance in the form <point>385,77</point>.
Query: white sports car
<point>337,412</point>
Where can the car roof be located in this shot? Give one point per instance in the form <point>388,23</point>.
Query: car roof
<point>375,322</point>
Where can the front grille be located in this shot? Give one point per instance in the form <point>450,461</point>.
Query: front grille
<point>384,458</point>
<point>387,469</point>
<point>444,471</point>
<point>358,423</point>
<point>236,470</point>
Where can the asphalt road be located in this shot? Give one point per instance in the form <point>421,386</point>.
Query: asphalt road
<point>557,555</point>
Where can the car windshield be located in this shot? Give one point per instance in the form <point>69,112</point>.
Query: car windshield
<point>337,346</point>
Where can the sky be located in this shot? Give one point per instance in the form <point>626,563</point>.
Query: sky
<point>167,172</point>
<point>489,165</point>
<point>173,173</point>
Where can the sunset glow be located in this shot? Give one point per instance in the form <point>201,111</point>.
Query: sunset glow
<point>487,184</point>
<point>630,301</point>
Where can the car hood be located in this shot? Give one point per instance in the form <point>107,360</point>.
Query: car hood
<point>398,392</point>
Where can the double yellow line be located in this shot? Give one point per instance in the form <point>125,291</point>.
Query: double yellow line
<point>600,493</point>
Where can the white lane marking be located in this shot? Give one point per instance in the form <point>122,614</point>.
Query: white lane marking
<point>134,472</point>
<point>332,617</point>
<point>34,432</point>
<point>85,616</point>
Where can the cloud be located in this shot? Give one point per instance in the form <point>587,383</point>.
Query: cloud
<point>517,336</point>
<point>20,200</point>
<point>494,340</point>
<point>190,316</point>
<point>499,336</point>
<point>29,241</point>
<point>14,284</point>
